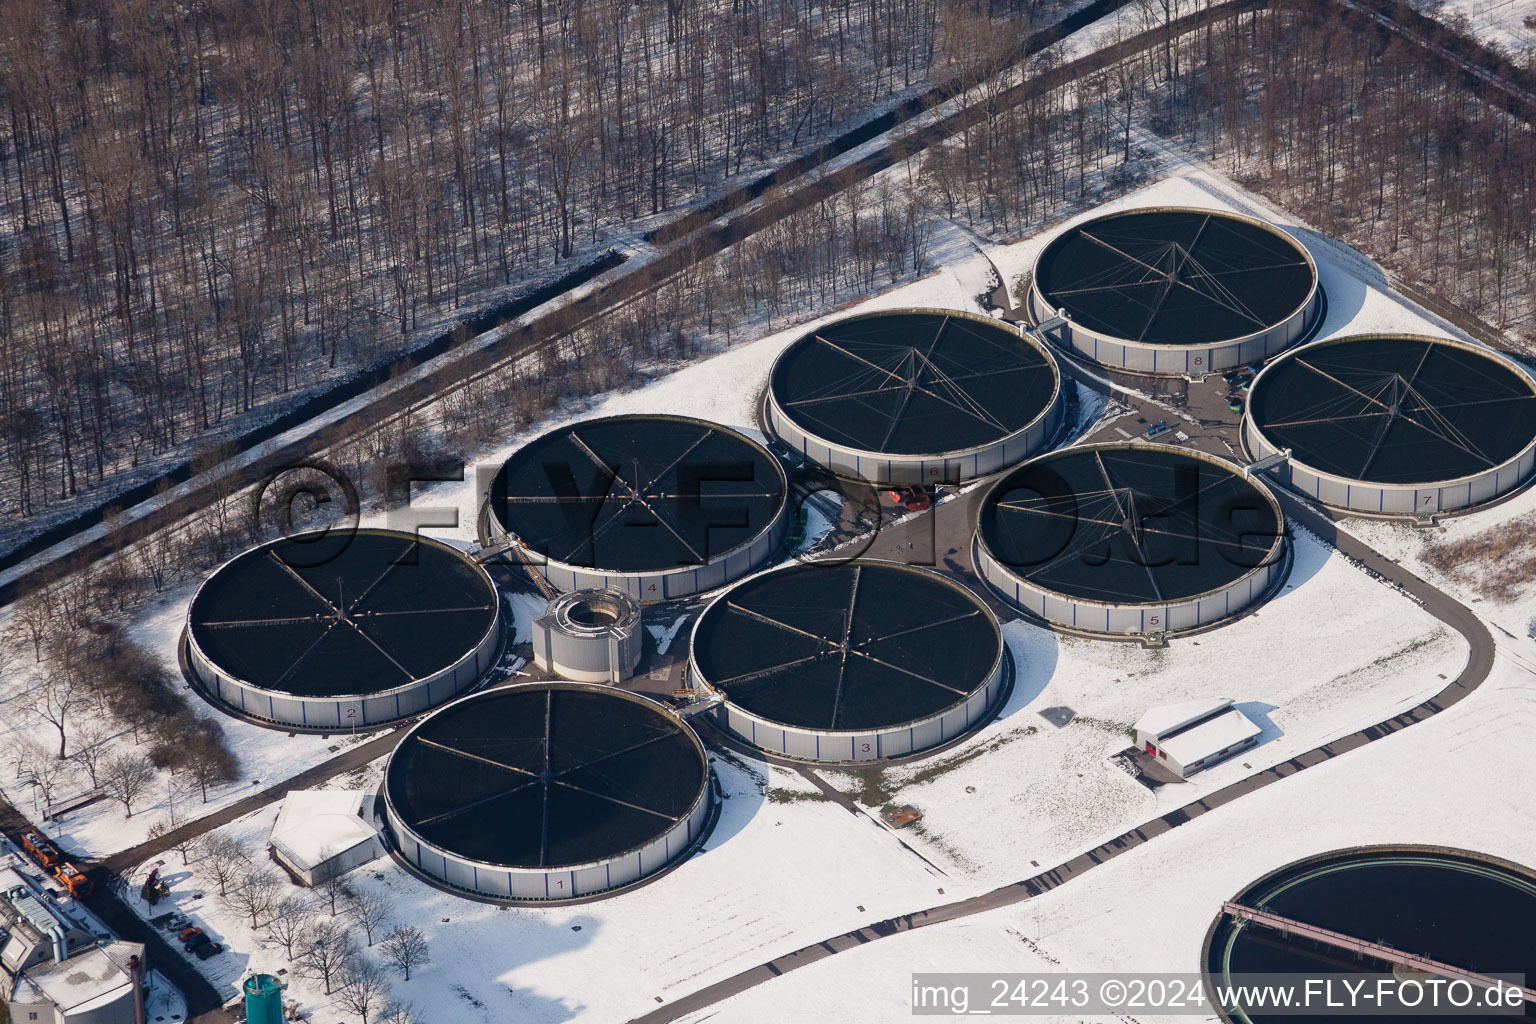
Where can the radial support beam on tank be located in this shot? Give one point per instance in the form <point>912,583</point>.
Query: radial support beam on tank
<point>1362,947</point>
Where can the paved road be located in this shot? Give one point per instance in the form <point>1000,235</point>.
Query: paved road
<point>698,239</point>
<point>942,538</point>
<point>200,995</point>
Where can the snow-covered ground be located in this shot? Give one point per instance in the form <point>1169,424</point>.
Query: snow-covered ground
<point>786,866</point>
<point>1409,545</point>
<point>1498,22</point>
<point>102,828</point>
<point>1349,653</point>
<point>1148,910</point>
<point>780,870</point>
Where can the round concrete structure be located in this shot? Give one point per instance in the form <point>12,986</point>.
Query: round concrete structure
<point>547,791</point>
<point>1175,291</point>
<point>1130,539</point>
<point>589,636</point>
<point>848,663</point>
<point>659,507</point>
<point>1395,424</point>
<point>915,396</point>
<point>342,630</point>
<point>1467,911</point>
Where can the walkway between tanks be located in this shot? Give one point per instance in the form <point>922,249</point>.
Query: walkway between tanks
<point>1441,605</point>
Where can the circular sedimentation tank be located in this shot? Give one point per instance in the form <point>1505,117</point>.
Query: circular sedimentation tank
<point>1460,909</point>
<point>590,636</point>
<point>1130,539</point>
<point>342,629</point>
<point>547,791</point>
<point>1175,291</point>
<point>656,506</point>
<point>1395,424</point>
<point>915,396</point>
<point>850,662</point>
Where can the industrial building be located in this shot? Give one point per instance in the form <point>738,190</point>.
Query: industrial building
<point>547,791</point>
<point>57,966</point>
<point>915,396</point>
<point>1196,734</point>
<point>658,507</point>
<point>1130,539</point>
<point>848,663</point>
<point>342,630</point>
<point>589,636</point>
<point>322,834</point>
<point>1400,425</point>
<point>1174,291</point>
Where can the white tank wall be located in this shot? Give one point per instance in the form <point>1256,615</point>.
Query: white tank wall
<point>666,584</point>
<point>552,884</point>
<point>347,712</point>
<point>1429,498</point>
<point>1130,619</point>
<point>1178,360</point>
<point>843,747</point>
<point>603,656</point>
<point>851,463</point>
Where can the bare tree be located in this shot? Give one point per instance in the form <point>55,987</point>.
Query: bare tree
<point>405,948</point>
<point>227,860</point>
<point>35,621</point>
<point>399,1013</point>
<point>91,750</point>
<point>333,890</point>
<point>208,760</point>
<point>126,776</point>
<point>291,918</point>
<point>55,697</point>
<point>363,988</point>
<point>326,950</point>
<point>46,771</point>
<point>369,909</point>
<point>254,894</point>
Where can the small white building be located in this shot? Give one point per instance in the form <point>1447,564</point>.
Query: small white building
<point>321,833</point>
<point>1195,734</point>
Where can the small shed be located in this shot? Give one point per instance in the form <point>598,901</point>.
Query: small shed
<point>1195,734</point>
<point>320,834</point>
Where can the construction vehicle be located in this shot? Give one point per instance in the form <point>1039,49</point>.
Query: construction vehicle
<point>913,499</point>
<point>42,851</point>
<point>73,880</point>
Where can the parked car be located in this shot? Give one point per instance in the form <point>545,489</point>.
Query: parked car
<point>208,949</point>
<point>188,934</point>
<point>197,942</point>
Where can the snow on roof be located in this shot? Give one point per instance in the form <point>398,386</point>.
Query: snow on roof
<point>1161,720</point>
<point>1218,734</point>
<point>89,979</point>
<point>314,825</point>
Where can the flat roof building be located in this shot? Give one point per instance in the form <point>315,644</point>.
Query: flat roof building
<point>1195,734</point>
<point>320,834</point>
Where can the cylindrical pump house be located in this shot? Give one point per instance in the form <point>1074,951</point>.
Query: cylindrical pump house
<point>590,636</point>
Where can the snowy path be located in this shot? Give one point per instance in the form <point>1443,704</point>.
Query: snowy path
<point>1436,602</point>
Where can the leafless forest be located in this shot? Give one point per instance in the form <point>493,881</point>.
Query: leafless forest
<point>212,207</point>
<point>240,202</point>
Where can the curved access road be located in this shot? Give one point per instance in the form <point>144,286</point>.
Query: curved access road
<point>1439,604</point>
